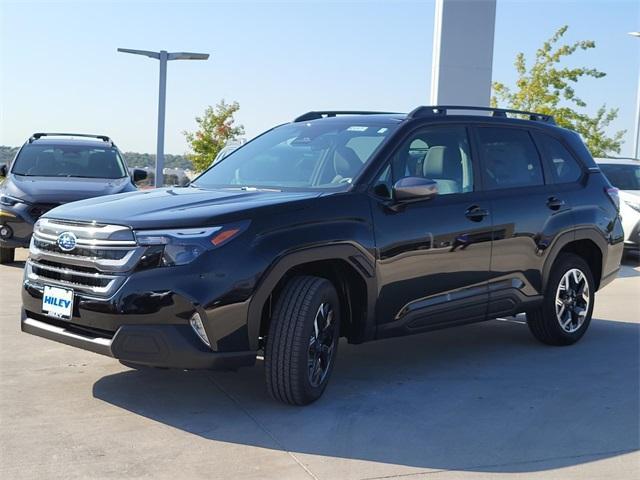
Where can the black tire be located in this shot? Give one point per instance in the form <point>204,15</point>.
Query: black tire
<point>7,255</point>
<point>292,340</point>
<point>544,322</point>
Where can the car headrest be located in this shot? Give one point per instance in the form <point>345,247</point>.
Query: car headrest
<point>433,166</point>
<point>346,162</point>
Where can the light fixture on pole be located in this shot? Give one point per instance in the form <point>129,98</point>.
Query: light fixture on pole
<point>636,130</point>
<point>163,56</point>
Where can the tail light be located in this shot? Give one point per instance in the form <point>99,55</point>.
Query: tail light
<point>612,192</point>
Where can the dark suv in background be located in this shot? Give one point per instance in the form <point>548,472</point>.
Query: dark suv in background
<point>55,168</point>
<point>339,224</point>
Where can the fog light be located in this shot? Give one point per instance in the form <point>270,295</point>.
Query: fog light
<point>198,327</point>
<point>6,232</point>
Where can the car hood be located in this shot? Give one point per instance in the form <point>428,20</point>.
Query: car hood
<point>630,194</point>
<point>173,207</point>
<point>62,190</point>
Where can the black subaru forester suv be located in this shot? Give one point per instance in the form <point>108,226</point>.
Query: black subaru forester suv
<point>340,224</point>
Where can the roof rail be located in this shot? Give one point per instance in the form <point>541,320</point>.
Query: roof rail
<point>36,136</point>
<point>437,110</point>
<point>314,115</point>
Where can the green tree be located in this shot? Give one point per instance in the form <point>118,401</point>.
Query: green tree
<point>547,87</point>
<point>215,128</point>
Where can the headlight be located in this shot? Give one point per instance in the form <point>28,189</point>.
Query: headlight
<point>634,205</point>
<point>9,201</point>
<point>183,246</point>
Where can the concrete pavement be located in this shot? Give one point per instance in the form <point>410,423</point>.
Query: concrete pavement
<point>481,401</point>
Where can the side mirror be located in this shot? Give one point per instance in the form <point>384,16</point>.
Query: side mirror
<point>139,175</point>
<point>414,188</point>
<point>3,170</point>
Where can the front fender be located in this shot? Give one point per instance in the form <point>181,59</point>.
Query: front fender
<point>356,256</point>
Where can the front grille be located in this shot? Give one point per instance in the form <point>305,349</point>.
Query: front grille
<point>82,252</point>
<point>99,264</point>
<point>41,208</point>
<point>75,267</point>
<point>70,276</point>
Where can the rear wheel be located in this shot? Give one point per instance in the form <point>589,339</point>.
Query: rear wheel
<point>303,340</point>
<point>7,255</point>
<point>566,310</point>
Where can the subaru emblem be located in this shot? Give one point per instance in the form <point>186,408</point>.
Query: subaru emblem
<point>67,241</point>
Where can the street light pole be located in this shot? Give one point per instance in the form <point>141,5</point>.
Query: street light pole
<point>636,130</point>
<point>163,56</point>
<point>162,101</point>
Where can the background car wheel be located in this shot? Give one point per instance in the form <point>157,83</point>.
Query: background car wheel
<point>7,255</point>
<point>566,310</point>
<point>302,342</point>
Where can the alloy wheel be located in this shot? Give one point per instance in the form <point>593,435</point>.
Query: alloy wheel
<point>572,300</point>
<point>321,344</point>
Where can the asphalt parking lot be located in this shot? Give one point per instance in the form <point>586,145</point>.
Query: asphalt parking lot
<point>480,401</point>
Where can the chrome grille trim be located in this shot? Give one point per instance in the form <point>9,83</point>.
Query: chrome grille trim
<point>93,231</point>
<point>70,271</point>
<point>86,242</point>
<point>52,266</point>
<point>124,264</point>
<point>113,283</point>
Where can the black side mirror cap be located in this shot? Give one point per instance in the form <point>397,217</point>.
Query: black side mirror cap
<point>139,175</point>
<point>3,170</point>
<point>409,189</point>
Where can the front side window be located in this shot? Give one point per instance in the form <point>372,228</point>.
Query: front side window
<point>510,158</point>
<point>437,153</point>
<point>313,155</point>
<point>69,161</point>
<point>564,167</point>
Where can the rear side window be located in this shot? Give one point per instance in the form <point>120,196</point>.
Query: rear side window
<point>564,167</point>
<point>509,158</point>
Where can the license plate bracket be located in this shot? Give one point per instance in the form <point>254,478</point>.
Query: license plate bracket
<point>57,302</point>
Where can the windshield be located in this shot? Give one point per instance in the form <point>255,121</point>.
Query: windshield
<point>623,177</point>
<point>299,155</point>
<point>69,161</point>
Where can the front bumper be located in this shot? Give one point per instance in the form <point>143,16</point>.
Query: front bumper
<point>167,346</point>
<point>632,238</point>
<point>21,225</point>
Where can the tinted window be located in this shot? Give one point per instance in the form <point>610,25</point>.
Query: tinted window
<point>437,153</point>
<point>68,161</point>
<point>322,154</point>
<point>510,158</point>
<point>624,177</point>
<point>364,146</point>
<point>564,167</point>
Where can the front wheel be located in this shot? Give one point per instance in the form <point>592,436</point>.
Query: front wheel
<point>7,255</point>
<point>302,342</point>
<point>566,310</point>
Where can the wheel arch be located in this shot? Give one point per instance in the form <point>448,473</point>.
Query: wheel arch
<point>587,243</point>
<point>348,266</point>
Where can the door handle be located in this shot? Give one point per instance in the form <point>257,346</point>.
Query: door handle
<point>475,213</point>
<point>554,203</point>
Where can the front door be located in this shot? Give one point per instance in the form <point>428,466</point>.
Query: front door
<point>433,255</point>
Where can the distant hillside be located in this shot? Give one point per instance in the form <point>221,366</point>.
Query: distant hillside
<point>133,159</point>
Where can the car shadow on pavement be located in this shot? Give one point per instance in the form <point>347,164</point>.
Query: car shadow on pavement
<point>485,397</point>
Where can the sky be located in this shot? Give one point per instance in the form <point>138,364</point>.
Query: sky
<point>59,69</point>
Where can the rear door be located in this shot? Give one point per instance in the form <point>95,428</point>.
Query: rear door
<point>528,212</point>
